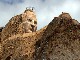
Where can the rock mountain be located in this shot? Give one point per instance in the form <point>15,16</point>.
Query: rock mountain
<point>59,40</point>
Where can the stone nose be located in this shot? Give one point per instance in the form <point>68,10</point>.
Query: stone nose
<point>32,26</point>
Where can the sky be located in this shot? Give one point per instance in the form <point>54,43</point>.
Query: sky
<point>45,10</point>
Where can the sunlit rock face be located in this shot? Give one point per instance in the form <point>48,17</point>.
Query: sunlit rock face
<point>59,40</point>
<point>0,40</point>
<point>65,15</point>
<point>19,24</point>
<point>29,21</point>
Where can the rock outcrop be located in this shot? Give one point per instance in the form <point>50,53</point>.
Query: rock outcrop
<point>60,40</point>
<point>23,23</point>
<point>1,28</point>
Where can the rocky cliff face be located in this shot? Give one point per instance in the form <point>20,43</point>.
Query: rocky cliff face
<point>60,40</point>
<point>23,23</point>
<point>0,41</point>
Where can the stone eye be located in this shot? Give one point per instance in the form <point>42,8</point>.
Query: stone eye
<point>35,22</point>
<point>29,20</point>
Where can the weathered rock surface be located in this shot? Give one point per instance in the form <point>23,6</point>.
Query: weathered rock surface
<point>23,23</point>
<point>1,28</point>
<point>60,40</point>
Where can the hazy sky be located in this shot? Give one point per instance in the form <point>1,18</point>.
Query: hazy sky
<point>45,10</point>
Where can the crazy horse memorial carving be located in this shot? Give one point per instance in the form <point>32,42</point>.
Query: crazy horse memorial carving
<point>59,40</point>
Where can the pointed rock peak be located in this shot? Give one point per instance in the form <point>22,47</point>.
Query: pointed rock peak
<point>65,15</point>
<point>68,18</point>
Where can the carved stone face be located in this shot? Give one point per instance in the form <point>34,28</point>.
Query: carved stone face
<point>29,22</point>
<point>30,25</point>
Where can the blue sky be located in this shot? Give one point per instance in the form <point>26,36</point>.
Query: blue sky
<point>45,10</point>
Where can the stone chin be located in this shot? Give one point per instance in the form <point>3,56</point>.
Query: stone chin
<point>32,29</point>
<point>29,31</point>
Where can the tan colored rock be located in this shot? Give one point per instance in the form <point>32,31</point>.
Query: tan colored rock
<point>1,28</point>
<point>21,46</point>
<point>75,22</point>
<point>60,40</point>
<point>65,15</point>
<point>23,23</point>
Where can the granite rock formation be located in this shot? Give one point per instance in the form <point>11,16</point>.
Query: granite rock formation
<point>23,23</point>
<point>60,40</point>
<point>1,28</point>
